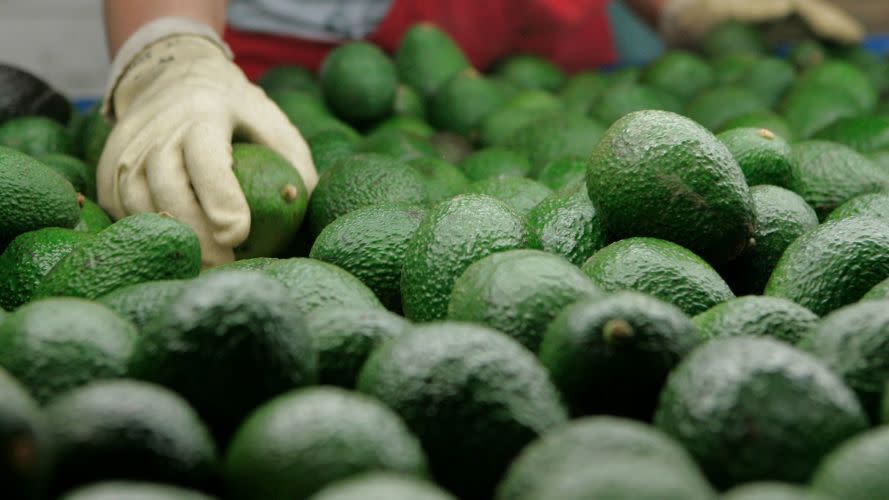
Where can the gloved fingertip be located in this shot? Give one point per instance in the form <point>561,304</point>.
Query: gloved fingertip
<point>233,233</point>
<point>213,255</point>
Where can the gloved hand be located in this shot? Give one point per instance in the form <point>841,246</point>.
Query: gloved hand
<point>684,21</point>
<point>177,99</point>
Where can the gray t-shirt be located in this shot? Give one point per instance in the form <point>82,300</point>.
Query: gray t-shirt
<point>322,20</point>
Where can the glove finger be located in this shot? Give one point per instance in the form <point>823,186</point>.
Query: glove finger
<point>122,156</point>
<point>135,196</point>
<point>260,119</point>
<point>829,21</point>
<point>208,161</point>
<point>170,188</point>
<point>760,10</point>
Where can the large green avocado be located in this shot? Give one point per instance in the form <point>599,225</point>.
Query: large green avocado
<point>659,268</point>
<point>833,265</point>
<point>135,249</point>
<point>231,341</point>
<point>779,410</point>
<point>445,379</point>
<point>454,234</point>
<point>659,174</point>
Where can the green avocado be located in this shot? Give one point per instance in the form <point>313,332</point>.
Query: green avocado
<point>382,485</point>
<point>360,181</point>
<point>329,147</point>
<point>143,302</point>
<point>345,337</point>
<point>680,73</point>
<point>122,428</point>
<point>874,205</point>
<point>865,134</point>
<point>879,291</point>
<point>519,110</point>
<point>853,341</point>
<point>756,316</point>
<point>574,446</point>
<point>358,82</point>
<point>25,445</point>
<point>461,104</point>
<point>781,217</point>
<point>531,72</point>
<point>299,442</point>
<point>828,174</point>
<point>445,378</point>
<point>520,193</point>
<point>277,198</point>
<point>561,172</point>
<point>427,58</point>
<point>453,235</point>
<point>554,136</point>
<point>581,91</point>
<point>662,175</point>
<point>92,218</point>
<point>733,37</point>
<point>78,173</point>
<point>54,345</point>
<point>312,284</point>
<point>401,144</point>
<point>230,341</point>
<point>620,100</point>
<point>565,223</point>
<point>29,258</point>
<point>659,268</point>
<point>764,157</point>
<point>518,292</point>
<point>833,265</point>
<point>135,249</point>
<point>443,179</point>
<point>773,490</point>
<point>714,107</point>
<point>34,196</point>
<point>812,107</point>
<point>133,490</point>
<point>779,409</point>
<point>371,243</point>
<point>768,120</point>
<point>856,468</point>
<point>612,355</point>
<point>844,78</point>
<point>495,162</point>
<point>36,135</point>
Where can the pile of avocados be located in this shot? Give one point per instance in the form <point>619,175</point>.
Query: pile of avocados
<point>665,282</point>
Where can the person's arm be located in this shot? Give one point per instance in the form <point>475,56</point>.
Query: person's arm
<point>649,10</point>
<point>124,17</point>
<point>685,21</point>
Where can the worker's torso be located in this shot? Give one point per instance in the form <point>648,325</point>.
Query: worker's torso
<point>323,20</point>
<point>572,33</point>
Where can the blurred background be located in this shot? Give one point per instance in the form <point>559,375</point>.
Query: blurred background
<point>63,41</point>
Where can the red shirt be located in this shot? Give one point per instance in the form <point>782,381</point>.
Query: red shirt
<point>572,33</point>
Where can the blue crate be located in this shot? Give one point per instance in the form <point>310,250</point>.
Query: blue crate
<point>84,105</point>
<point>878,44</point>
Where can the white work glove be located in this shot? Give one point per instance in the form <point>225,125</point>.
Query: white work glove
<point>685,21</point>
<point>177,99</point>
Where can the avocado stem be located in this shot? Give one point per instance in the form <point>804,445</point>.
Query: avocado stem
<point>617,331</point>
<point>289,193</point>
<point>81,199</point>
<point>766,134</point>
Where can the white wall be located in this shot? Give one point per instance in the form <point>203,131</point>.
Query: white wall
<point>62,41</point>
